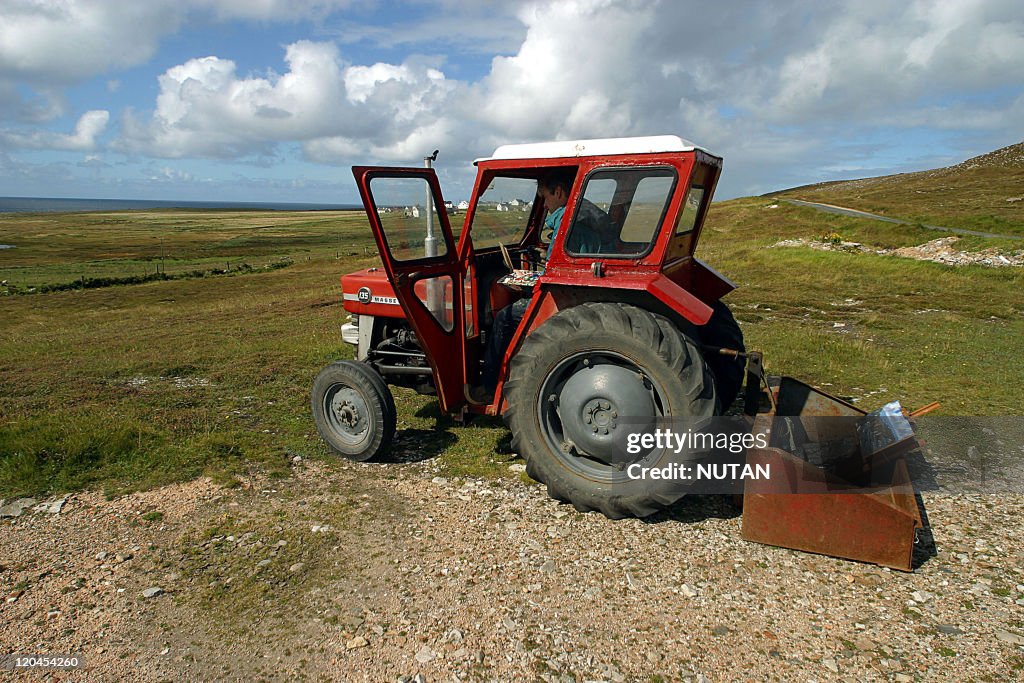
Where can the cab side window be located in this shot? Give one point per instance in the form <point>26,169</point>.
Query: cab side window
<point>620,211</point>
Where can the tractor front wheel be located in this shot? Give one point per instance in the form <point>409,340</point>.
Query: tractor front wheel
<point>585,381</point>
<point>353,409</point>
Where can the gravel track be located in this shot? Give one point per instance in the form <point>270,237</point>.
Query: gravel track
<point>384,572</point>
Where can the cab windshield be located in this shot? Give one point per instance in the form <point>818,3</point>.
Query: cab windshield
<point>503,212</point>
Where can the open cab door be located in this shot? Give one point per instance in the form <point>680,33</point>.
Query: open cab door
<point>414,239</point>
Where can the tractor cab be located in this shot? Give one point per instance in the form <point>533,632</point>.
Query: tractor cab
<point>630,225</point>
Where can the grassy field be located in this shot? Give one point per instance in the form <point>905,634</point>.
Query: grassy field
<point>985,193</point>
<point>874,327</point>
<point>54,249</point>
<point>131,386</point>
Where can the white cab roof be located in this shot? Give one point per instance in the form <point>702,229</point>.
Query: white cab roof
<point>588,148</point>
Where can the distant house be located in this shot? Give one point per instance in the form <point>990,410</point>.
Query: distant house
<point>463,205</point>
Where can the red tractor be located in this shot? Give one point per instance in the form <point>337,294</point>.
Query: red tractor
<point>621,325</point>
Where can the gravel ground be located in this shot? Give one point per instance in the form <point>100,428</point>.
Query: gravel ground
<point>389,572</point>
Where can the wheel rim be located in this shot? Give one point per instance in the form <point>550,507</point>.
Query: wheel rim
<point>587,405</point>
<point>347,413</point>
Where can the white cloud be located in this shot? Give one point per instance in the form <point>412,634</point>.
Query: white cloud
<point>50,44</point>
<point>84,138</point>
<point>765,84</point>
<point>205,108</point>
<point>61,42</point>
<point>68,40</point>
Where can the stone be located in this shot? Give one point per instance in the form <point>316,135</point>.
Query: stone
<point>517,467</point>
<point>948,629</point>
<point>356,642</point>
<point>687,591</point>
<point>15,508</point>
<point>152,592</point>
<point>1011,638</point>
<point>904,678</point>
<point>51,507</point>
<point>864,644</point>
<point>921,596</point>
<point>297,567</point>
<point>425,655</point>
<point>548,566</point>
<point>830,664</point>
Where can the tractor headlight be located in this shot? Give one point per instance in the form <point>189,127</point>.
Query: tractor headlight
<point>350,330</point>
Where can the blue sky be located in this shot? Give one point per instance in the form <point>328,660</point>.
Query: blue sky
<point>274,100</point>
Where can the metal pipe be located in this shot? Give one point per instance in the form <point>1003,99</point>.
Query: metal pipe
<point>402,370</point>
<point>435,291</point>
<point>403,354</point>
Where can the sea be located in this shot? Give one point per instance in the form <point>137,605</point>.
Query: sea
<point>65,204</point>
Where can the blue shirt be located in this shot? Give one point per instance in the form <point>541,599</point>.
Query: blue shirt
<point>587,238</point>
<point>553,221</point>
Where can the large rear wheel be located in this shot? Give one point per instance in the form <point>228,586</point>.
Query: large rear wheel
<point>353,409</point>
<point>583,381</point>
<point>723,331</point>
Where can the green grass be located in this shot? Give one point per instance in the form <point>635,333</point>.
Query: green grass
<point>923,331</point>
<point>56,248</point>
<point>976,195</point>
<point>128,387</point>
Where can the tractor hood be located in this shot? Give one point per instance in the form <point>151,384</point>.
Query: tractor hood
<point>368,292</point>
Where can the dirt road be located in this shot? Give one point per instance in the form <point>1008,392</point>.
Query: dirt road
<point>856,213</point>
<point>385,572</point>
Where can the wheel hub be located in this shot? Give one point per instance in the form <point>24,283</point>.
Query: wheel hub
<point>593,402</point>
<point>348,411</point>
<point>600,415</point>
<point>347,414</point>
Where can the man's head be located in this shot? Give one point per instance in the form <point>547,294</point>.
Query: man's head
<point>554,187</point>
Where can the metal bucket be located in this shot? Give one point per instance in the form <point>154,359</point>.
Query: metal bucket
<point>839,482</point>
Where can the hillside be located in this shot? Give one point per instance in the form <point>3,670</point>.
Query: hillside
<point>982,193</point>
